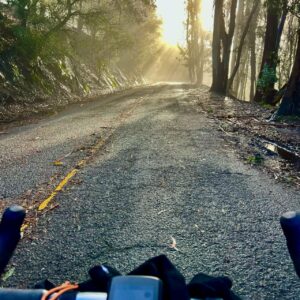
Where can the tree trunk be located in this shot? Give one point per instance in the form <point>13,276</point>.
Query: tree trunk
<point>269,55</point>
<point>197,40</point>
<point>237,33</point>
<point>201,63</point>
<point>222,42</point>
<point>243,76</point>
<point>240,48</point>
<point>188,42</point>
<point>217,64</point>
<point>194,41</point>
<point>290,104</point>
<point>280,29</point>
<point>252,66</point>
<point>253,58</point>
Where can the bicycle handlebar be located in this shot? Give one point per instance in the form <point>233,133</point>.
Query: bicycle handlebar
<point>9,294</point>
<point>10,226</point>
<point>290,224</point>
<point>13,218</point>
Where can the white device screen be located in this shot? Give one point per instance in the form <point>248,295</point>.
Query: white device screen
<point>134,293</point>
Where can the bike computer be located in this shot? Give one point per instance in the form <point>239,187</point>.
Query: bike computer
<point>135,288</point>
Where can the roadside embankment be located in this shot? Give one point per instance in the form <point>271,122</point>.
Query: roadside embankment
<point>46,86</point>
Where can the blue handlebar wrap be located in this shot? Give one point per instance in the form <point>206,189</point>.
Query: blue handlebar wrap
<point>10,226</point>
<point>290,223</point>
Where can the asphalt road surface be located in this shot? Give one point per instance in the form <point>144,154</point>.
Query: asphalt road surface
<point>154,170</point>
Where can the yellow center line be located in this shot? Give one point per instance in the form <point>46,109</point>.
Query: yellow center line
<point>45,203</point>
<point>122,117</point>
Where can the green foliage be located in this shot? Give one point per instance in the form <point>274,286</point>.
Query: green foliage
<point>28,44</point>
<point>16,72</point>
<point>268,106</point>
<point>256,159</point>
<point>86,89</point>
<point>37,78</point>
<point>65,68</point>
<point>21,10</point>
<point>41,40</point>
<point>267,78</point>
<point>294,7</point>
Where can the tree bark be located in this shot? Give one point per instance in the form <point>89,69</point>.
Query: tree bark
<point>222,42</point>
<point>253,57</point>
<point>237,33</point>
<point>217,65</point>
<point>290,104</point>
<point>189,44</point>
<point>240,48</point>
<point>269,55</point>
<point>244,79</point>
<point>194,40</point>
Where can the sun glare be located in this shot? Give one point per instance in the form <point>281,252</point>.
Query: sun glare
<point>173,15</point>
<point>207,14</point>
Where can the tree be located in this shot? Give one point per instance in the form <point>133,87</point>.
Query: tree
<point>241,44</point>
<point>290,104</point>
<point>195,41</point>
<point>253,54</point>
<point>39,34</point>
<point>221,45</point>
<point>241,15</point>
<point>288,51</point>
<point>267,77</point>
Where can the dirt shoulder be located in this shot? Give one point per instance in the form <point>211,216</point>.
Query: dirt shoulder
<point>271,146</point>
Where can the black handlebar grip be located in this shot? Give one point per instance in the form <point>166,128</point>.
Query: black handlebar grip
<point>290,224</point>
<point>10,226</point>
<point>11,294</point>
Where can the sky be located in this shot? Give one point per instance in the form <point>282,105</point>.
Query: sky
<point>173,15</point>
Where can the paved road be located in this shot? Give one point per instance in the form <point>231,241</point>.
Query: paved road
<point>162,170</point>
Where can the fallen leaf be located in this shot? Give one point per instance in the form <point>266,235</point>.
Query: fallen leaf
<point>163,183</point>
<point>8,274</point>
<point>65,156</point>
<point>28,193</point>
<point>23,227</point>
<point>53,207</point>
<point>22,230</point>
<point>58,163</point>
<point>174,244</point>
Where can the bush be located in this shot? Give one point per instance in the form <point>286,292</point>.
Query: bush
<point>267,79</point>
